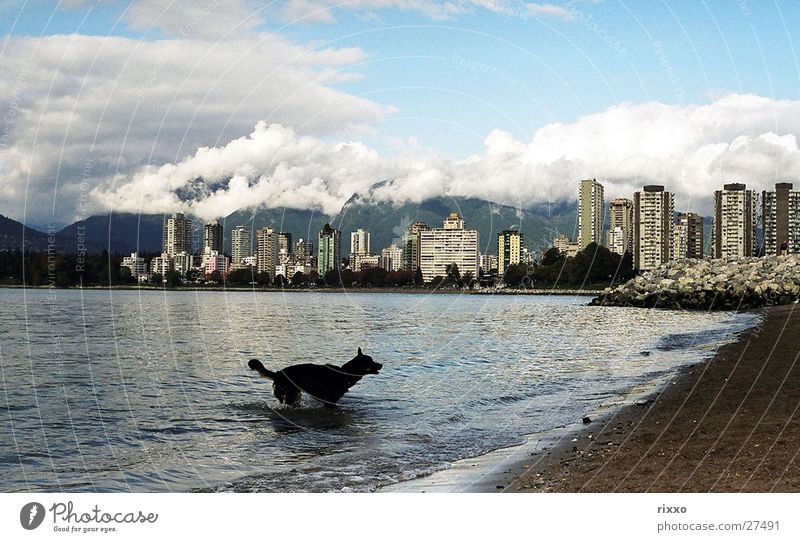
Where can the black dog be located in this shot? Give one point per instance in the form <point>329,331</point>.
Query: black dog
<point>326,383</point>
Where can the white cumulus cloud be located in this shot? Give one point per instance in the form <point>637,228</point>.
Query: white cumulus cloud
<point>692,150</point>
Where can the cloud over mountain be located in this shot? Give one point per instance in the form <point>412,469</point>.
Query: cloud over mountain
<point>692,150</point>
<point>77,109</point>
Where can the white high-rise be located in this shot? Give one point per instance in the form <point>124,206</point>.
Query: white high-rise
<point>733,233</point>
<point>241,245</point>
<point>267,250</point>
<point>451,244</point>
<point>359,242</point>
<point>654,227</point>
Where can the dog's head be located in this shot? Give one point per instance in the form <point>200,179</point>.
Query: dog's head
<point>363,364</point>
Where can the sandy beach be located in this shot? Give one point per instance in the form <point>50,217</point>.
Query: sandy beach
<point>729,425</point>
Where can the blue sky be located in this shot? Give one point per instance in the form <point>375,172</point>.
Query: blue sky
<point>452,80</point>
<point>559,89</point>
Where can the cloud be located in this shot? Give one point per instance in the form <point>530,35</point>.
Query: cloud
<point>203,19</point>
<point>81,109</point>
<point>549,10</point>
<point>324,11</point>
<point>692,150</point>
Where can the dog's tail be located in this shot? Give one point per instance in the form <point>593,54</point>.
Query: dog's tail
<point>256,365</point>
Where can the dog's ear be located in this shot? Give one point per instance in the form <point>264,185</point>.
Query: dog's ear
<point>359,351</point>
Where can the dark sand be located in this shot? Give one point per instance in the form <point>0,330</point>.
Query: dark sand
<point>729,425</point>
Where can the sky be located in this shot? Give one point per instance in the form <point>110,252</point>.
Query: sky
<point>210,106</point>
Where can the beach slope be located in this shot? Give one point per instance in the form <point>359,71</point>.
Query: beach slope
<point>729,425</point>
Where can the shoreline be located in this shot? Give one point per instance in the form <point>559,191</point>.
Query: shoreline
<point>728,424</point>
<point>324,290</point>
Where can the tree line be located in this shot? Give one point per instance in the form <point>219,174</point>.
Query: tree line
<point>595,266</point>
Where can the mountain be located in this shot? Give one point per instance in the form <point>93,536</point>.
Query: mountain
<point>119,233</point>
<point>124,233</point>
<point>387,222</point>
<point>13,232</point>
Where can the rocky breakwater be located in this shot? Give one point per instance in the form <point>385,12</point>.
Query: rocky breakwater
<point>711,285</point>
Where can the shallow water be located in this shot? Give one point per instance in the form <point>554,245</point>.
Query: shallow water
<point>150,390</point>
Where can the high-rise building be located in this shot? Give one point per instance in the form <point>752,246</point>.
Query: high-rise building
<point>653,227</point>
<point>451,244</point>
<point>781,220</point>
<point>360,242</point>
<point>392,258</point>
<point>688,236</point>
<point>591,211</point>
<point>212,237</point>
<point>733,232</point>
<point>509,250</point>
<point>267,246</point>
<point>620,226</point>
<point>241,245</point>
<point>177,235</point>
<point>329,252</point>
<point>303,248</point>
<point>284,243</point>
<point>411,245</point>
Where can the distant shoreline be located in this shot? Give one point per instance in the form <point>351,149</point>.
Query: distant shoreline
<point>437,291</point>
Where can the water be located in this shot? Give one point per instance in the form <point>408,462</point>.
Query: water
<point>150,391</point>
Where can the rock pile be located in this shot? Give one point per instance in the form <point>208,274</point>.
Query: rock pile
<point>711,285</point>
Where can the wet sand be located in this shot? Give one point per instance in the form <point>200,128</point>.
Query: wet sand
<point>731,424</point>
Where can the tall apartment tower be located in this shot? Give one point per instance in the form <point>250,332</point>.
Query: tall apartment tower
<point>267,249</point>
<point>411,242</point>
<point>688,236</point>
<point>212,237</point>
<point>781,220</point>
<point>653,227</point>
<point>177,235</point>
<point>241,245</point>
<point>285,243</point>
<point>329,254</point>
<point>509,250</point>
<point>591,209</point>
<point>360,242</point>
<point>734,222</point>
<point>451,244</point>
<point>620,226</point>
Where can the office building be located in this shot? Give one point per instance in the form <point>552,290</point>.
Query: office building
<point>654,227</point>
<point>591,211</point>
<point>733,232</point>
